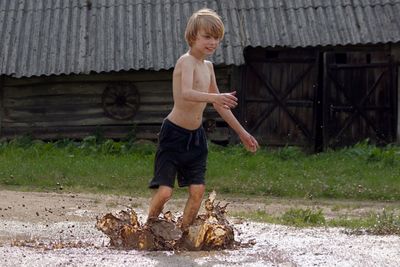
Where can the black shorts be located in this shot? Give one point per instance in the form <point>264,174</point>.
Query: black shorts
<point>181,153</point>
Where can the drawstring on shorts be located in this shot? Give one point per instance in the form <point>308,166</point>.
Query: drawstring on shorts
<point>196,139</point>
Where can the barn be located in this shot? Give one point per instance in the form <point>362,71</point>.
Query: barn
<point>311,73</point>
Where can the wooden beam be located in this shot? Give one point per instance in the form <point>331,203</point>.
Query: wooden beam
<point>398,104</point>
<point>80,132</point>
<point>1,103</point>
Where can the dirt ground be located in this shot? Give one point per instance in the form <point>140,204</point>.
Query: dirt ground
<point>57,229</point>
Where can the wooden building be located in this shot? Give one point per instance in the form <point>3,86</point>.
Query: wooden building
<point>322,97</point>
<point>316,74</point>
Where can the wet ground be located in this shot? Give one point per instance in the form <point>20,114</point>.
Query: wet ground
<point>49,229</point>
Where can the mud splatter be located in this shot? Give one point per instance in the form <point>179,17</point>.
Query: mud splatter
<point>52,245</point>
<point>210,231</point>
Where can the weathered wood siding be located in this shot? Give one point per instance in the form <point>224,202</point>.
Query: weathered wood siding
<point>71,106</point>
<point>279,96</point>
<point>321,97</point>
<point>359,98</point>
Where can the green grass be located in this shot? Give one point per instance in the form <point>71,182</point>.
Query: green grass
<point>362,172</point>
<point>292,217</point>
<point>108,167</point>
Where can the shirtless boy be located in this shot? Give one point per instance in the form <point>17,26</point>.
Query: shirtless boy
<point>182,149</point>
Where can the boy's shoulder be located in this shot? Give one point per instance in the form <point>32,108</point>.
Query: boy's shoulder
<point>187,58</point>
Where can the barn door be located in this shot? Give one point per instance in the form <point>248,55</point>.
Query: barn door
<point>278,100</point>
<point>359,98</point>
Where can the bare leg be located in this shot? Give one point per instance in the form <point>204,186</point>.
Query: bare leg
<point>160,197</point>
<point>193,203</point>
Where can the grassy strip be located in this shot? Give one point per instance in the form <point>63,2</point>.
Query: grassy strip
<point>359,172</point>
<point>384,223</point>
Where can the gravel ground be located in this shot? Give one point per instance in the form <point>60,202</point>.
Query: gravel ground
<point>68,219</point>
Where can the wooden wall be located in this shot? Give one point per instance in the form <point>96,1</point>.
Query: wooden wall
<point>359,97</point>
<point>320,97</point>
<point>279,95</point>
<point>70,106</point>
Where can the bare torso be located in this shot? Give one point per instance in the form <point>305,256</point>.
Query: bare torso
<point>189,114</point>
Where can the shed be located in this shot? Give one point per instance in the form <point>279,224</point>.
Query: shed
<point>314,73</point>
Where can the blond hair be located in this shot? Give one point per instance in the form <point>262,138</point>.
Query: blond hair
<point>207,20</point>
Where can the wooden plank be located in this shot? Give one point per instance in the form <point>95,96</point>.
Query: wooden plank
<point>285,60</point>
<point>327,58</point>
<point>51,112</point>
<point>398,103</point>
<point>99,118</point>
<point>358,66</point>
<point>134,76</point>
<point>66,108</point>
<point>149,132</point>
<point>59,89</point>
<point>289,102</point>
<point>1,103</point>
<point>50,133</point>
<point>147,118</point>
<point>32,112</point>
<point>52,100</point>
<point>61,100</point>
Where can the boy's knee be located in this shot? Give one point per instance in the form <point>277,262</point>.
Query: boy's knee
<point>197,192</point>
<point>164,192</point>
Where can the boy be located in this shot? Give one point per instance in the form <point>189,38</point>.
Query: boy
<point>182,148</point>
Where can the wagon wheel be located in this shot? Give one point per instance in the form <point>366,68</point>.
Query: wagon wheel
<point>210,125</point>
<point>120,101</point>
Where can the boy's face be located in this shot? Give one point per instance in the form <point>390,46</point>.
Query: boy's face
<point>206,43</point>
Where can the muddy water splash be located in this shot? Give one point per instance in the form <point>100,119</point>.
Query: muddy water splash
<point>210,231</point>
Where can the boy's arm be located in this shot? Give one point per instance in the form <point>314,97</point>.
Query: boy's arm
<point>247,139</point>
<point>226,100</point>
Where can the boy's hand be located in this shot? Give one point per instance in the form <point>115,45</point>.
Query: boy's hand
<point>249,142</point>
<point>226,100</point>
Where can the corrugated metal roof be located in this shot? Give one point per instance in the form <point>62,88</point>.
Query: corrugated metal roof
<point>44,37</point>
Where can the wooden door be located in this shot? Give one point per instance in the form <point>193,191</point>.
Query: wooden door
<point>279,96</point>
<point>359,98</point>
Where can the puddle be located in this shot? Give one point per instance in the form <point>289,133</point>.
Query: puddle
<point>73,240</point>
